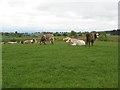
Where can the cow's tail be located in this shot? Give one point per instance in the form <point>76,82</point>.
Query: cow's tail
<point>52,39</point>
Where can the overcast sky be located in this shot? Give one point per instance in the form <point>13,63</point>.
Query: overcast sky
<point>58,15</point>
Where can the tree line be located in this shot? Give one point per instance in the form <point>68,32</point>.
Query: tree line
<point>71,34</point>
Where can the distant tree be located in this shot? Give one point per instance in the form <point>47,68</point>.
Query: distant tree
<point>2,34</point>
<point>59,34</point>
<point>65,34</point>
<point>16,32</point>
<point>73,34</point>
<point>93,32</point>
<point>55,34</point>
<point>115,32</point>
<point>103,36</point>
<point>79,33</point>
<point>7,34</point>
<point>44,32</point>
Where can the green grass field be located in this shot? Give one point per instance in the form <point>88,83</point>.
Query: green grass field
<point>60,65</point>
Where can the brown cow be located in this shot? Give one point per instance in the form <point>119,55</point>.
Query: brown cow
<point>91,37</point>
<point>45,37</point>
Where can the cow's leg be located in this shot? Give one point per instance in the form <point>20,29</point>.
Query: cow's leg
<point>86,43</point>
<point>44,42</point>
<point>89,44</point>
<point>92,43</point>
<point>51,41</point>
<point>40,42</point>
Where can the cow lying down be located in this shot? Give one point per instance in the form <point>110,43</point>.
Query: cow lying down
<point>65,39</point>
<point>29,41</point>
<point>75,41</point>
<point>12,42</point>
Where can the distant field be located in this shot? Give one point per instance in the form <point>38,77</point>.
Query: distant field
<point>60,65</point>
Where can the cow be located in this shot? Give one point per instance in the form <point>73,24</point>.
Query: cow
<point>12,42</point>
<point>66,39</point>
<point>45,37</point>
<point>76,42</point>
<point>91,37</point>
<point>2,42</point>
<point>28,41</point>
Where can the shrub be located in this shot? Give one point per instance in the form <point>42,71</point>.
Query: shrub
<point>102,37</point>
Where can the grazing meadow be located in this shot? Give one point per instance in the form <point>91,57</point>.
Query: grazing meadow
<point>60,65</point>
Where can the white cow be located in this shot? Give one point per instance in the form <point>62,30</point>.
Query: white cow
<point>2,42</point>
<point>29,41</point>
<point>76,42</point>
<point>12,42</point>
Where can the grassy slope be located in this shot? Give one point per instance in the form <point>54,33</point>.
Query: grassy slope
<point>60,65</point>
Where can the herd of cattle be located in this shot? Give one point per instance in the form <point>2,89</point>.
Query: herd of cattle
<point>90,38</point>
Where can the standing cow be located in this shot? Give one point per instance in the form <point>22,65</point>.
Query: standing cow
<point>45,37</point>
<point>91,37</point>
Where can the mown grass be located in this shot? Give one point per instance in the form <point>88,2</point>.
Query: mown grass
<point>60,66</point>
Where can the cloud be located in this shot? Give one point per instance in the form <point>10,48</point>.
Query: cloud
<point>80,9</point>
<point>83,13</point>
<point>63,14</point>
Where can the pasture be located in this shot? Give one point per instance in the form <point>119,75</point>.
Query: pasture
<point>60,65</point>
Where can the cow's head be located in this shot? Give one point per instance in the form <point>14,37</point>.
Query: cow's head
<point>66,39</point>
<point>97,35</point>
<point>69,40</point>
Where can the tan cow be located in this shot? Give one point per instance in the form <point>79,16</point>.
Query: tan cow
<point>76,42</point>
<point>2,42</point>
<point>29,41</point>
